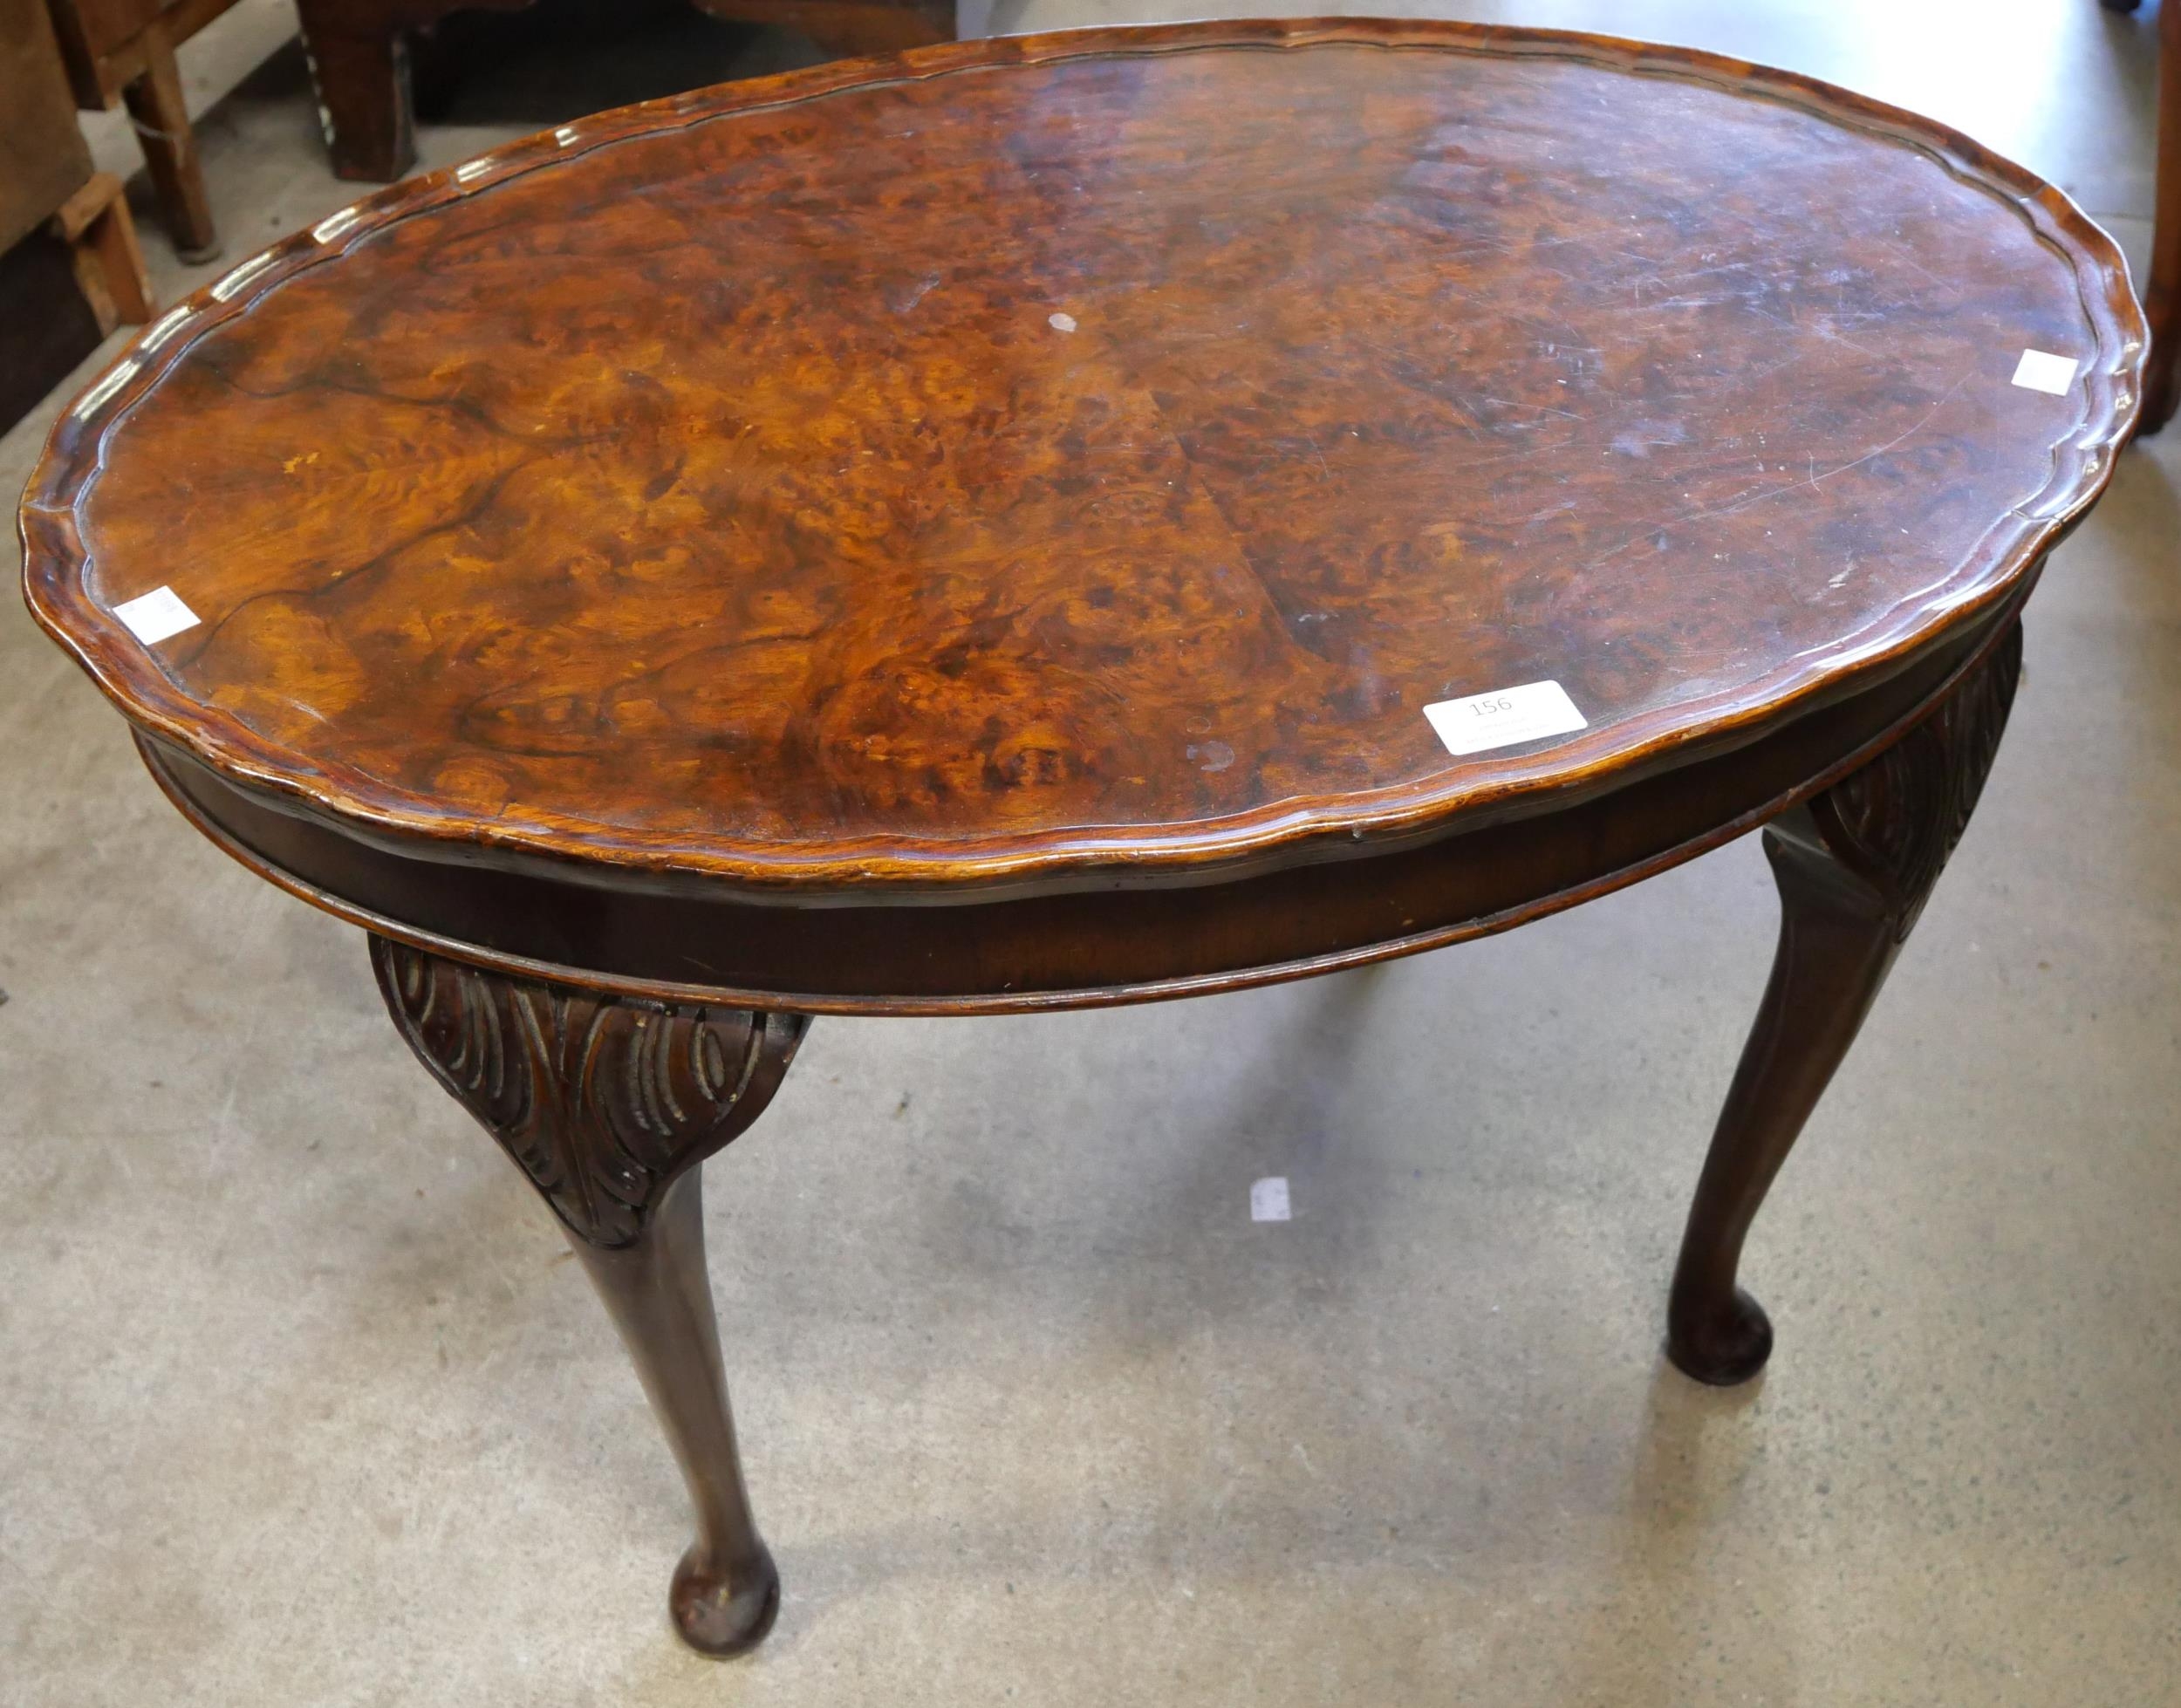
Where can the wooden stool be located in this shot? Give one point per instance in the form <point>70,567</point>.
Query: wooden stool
<point>95,224</point>
<point>125,49</point>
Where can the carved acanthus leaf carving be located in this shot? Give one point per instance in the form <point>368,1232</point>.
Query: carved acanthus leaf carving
<point>602,1100</point>
<point>1895,822</point>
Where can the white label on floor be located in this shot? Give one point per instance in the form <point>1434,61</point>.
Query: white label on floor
<point>2041,371</point>
<point>1500,720</point>
<point>158,614</point>
<point>1268,1198</point>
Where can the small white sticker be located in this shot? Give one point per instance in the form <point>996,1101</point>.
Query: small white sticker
<point>1500,720</point>
<point>1268,1198</point>
<point>1060,323</point>
<point>158,614</point>
<point>2041,371</point>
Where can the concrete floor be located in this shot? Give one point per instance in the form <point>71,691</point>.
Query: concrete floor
<point>302,1401</point>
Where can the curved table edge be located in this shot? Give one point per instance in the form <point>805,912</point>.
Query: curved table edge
<point>56,562</point>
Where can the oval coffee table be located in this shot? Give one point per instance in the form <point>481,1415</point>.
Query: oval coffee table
<point>1084,519</point>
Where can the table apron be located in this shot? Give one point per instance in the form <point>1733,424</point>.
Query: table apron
<point>1072,949</point>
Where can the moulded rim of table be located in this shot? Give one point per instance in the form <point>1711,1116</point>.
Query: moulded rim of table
<point>57,564</point>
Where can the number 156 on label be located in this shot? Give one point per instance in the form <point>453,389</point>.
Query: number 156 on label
<point>1504,717</point>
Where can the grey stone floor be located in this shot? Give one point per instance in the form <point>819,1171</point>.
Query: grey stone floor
<point>302,1402</point>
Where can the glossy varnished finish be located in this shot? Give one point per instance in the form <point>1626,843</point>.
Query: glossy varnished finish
<point>978,532</point>
<point>710,489</point>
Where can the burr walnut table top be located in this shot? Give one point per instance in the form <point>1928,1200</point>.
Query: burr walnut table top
<point>1081,458</point>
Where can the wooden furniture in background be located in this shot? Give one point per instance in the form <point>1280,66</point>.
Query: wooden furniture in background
<point>95,224</point>
<point>2161,296</point>
<point>2161,290</point>
<point>359,59</point>
<point>43,157</point>
<point>668,589</point>
<point>124,50</point>
<point>70,269</point>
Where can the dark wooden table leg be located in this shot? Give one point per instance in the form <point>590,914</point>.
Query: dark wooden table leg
<point>156,108</point>
<point>609,1104</point>
<point>1854,867</point>
<point>362,78</point>
<point>2162,298</point>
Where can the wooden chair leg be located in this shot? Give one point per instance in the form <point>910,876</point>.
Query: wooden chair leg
<point>364,100</point>
<point>95,224</point>
<point>170,148</point>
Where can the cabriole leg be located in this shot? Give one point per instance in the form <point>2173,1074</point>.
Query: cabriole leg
<point>1854,867</point>
<point>609,1104</point>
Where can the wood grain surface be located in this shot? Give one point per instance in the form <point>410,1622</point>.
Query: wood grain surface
<point>1086,451</point>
